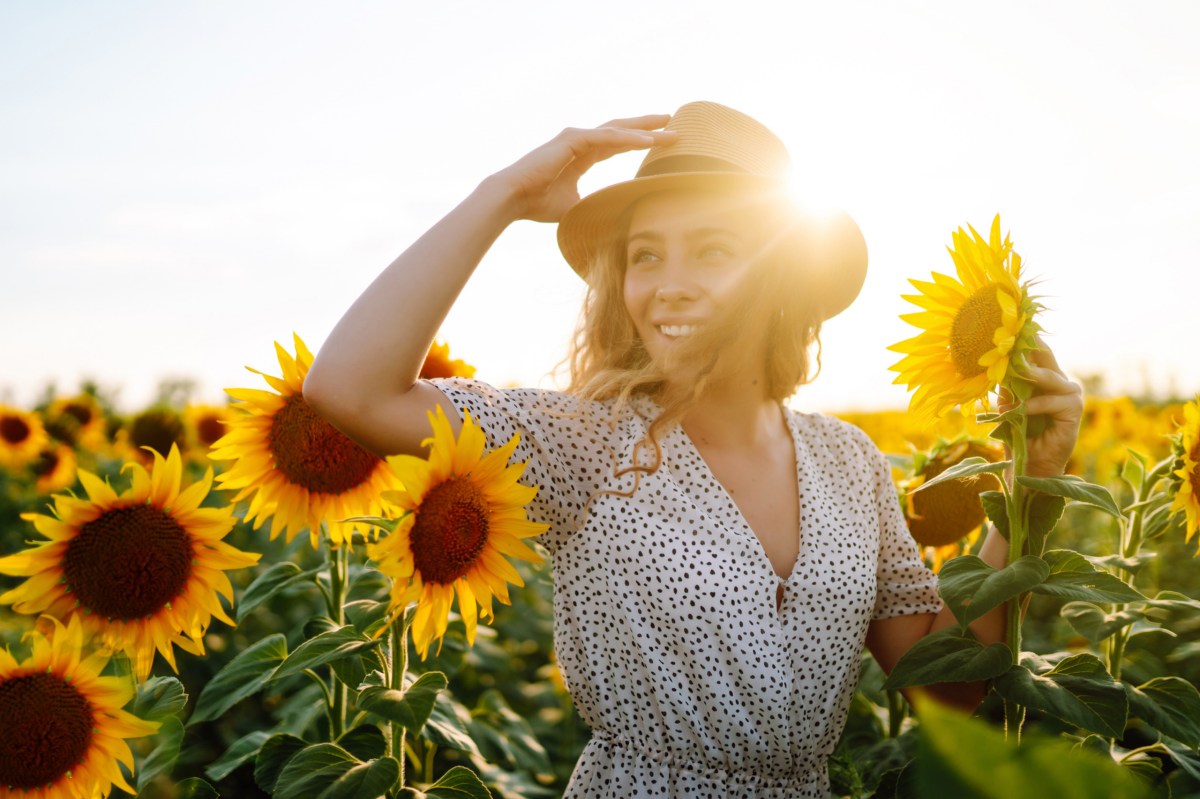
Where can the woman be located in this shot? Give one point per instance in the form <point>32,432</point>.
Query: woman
<point>719,559</point>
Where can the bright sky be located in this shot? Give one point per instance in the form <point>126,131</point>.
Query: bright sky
<point>183,183</point>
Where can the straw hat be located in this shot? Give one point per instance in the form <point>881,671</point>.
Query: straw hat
<point>719,147</point>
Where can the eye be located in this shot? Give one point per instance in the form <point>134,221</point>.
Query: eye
<point>715,251</point>
<point>642,255</point>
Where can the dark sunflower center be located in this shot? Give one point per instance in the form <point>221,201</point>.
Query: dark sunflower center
<point>450,530</point>
<point>45,730</point>
<point>129,562</point>
<point>436,366</point>
<point>1194,476</point>
<point>972,330</point>
<point>314,454</point>
<point>45,463</point>
<point>156,429</point>
<point>209,429</point>
<point>13,429</point>
<point>81,412</point>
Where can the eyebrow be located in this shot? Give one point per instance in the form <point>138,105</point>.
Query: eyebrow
<point>699,233</point>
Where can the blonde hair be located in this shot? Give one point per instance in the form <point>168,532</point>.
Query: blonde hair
<point>608,361</point>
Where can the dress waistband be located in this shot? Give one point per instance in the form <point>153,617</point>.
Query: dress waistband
<point>800,776</point>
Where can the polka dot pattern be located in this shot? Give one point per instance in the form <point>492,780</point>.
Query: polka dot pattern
<point>693,681</point>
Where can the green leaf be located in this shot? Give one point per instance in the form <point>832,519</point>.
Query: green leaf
<point>1067,560</point>
<point>1170,705</point>
<point>512,742</point>
<point>1128,565</point>
<point>996,508</point>
<point>191,788</point>
<point>948,656</point>
<point>161,759</point>
<point>1186,759</point>
<point>1079,691</point>
<point>241,677</point>
<point>1076,488</point>
<point>364,780</point>
<point>240,751</point>
<point>409,708</point>
<point>313,769</point>
<point>458,783</point>
<point>1089,586</point>
<point>365,742</point>
<point>1044,512</point>
<point>961,756</point>
<point>159,697</point>
<point>274,754</point>
<point>447,725</point>
<point>365,614</point>
<point>1093,623</point>
<point>971,587</point>
<point>965,468</point>
<point>269,583</point>
<point>327,647</point>
<point>1133,472</point>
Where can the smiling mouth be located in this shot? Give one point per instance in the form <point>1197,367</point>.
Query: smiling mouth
<point>677,331</point>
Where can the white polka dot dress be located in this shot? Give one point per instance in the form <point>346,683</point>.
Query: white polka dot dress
<point>665,621</point>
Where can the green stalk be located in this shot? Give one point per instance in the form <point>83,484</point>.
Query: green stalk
<point>1014,714</point>
<point>399,636</point>
<point>895,713</point>
<point>337,592</point>
<point>1130,546</point>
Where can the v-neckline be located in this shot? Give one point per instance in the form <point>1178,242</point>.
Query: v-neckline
<point>730,506</point>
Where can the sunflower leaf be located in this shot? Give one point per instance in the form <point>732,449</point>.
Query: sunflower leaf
<point>1088,586</point>
<point>458,783</point>
<point>158,698</point>
<point>1076,488</point>
<point>365,742</point>
<point>240,751</point>
<point>269,583</point>
<point>447,725</point>
<point>364,780</point>
<point>1170,705</point>
<point>948,656</point>
<point>273,755</point>
<point>1093,623</point>
<point>970,587</point>
<point>1078,690</point>
<point>161,759</point>
<point>1044,511</point>
<point>327,771</point>
<point>241,677</point>
<point>965,468</point>
<point>409,708</point>
<point>334,645</point>
<point>996,508</point>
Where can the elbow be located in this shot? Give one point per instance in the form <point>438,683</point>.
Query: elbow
<point>322,394</point>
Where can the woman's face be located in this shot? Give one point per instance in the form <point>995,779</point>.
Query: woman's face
<point>686,256</point>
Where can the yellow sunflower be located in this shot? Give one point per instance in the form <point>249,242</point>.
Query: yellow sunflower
<point>298,467</point>
<point>22,437</point>
<point>155,429</point>
<point>205,425</point>
<point>944,517</point>
<point>1187,497</point>
<point>62,729</point>
<point>438,364</point>
<point>54,468</point>
<point>976,329</point>
<point>463,511</point>
<point>78,421</point>
<point>142,569</point>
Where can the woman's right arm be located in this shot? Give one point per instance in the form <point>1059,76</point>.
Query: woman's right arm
<point>364,379</point>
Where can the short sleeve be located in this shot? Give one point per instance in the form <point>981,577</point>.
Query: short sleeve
<point>904,584</point>
<point>552,438</point>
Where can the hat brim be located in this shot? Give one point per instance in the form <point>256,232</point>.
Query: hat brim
<point>829,247</point>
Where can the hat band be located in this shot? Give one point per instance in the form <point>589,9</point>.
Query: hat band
<point>686,163</point>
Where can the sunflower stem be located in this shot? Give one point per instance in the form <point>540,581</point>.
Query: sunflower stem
<point>1017,526</point>
<point>337,593</point>
<point>399,635</point>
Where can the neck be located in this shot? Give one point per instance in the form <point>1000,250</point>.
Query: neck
<point>733,415</point>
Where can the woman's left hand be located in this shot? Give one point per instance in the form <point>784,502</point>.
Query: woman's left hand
<point>1060,402</point>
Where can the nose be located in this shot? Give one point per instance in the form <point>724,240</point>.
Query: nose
<point>676,285</point>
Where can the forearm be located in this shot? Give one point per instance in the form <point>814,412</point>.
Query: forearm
<point>377,348</point>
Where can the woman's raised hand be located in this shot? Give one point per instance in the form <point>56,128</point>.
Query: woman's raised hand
<point>1060,402</point>
<point>545,183</point>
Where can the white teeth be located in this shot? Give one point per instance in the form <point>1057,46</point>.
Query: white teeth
<point>676,331</point>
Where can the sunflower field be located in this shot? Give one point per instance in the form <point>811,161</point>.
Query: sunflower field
<point>239,601</point>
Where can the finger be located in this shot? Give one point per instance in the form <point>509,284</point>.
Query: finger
<point>1062,407</point>
<point>588,147</point>
<point>1044,356</point>
<point>1052,381</point>
<point>647,122</point>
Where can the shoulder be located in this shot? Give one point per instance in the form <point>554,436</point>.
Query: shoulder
<point>835,433</point>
